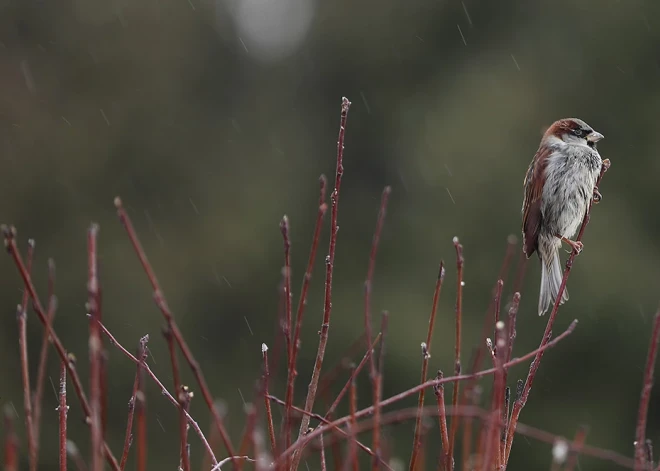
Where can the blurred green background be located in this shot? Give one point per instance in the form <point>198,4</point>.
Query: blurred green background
<point>213,119</point>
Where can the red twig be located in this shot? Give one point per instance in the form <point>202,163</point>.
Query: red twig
<point>302,303</point>
<point>43,356</point>
<point>181,396</point>
<point>330,261</point>
<point>185,396</point>
<point>439,391</point>
<point>21,317</point>
<point>284,228</point>
<point>376,377</point>
<point>269,412</point>
<point>426,355</point>
<point>93,307</point>
<point>457,349</point>
<point>10,243</point>
<point>159,298</point>
<point>578,444</point>
<point>351,457</point>
<point>323,465</point>
<point>63,409</point>
<point>286,424</point>
<point>128,437</point>
<point>368,283</point>
<point>378,393</point>
<point>522,400</point>
<point>640,432</point>
<point>144,366</point>
<point>329,378</point>
<point>354,374</point>
<point>492,453</point>
<point>11,441</point>
<point>302,441</point>
<point>141,411</point>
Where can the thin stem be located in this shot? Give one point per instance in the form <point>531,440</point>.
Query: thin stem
<point>286,424</point>
<point>576,448</point>
<point>457,347</point>
<point>323,465</point>
<point>354,374</point>
<point>269,412</point>
<point>43,355</point>
<point>21,317</point>
<point>522,400</point>
<point>302,303</point>
<point>439,391</point>
<point>128,436</point>
<point>378,394</point>
<point>159,298</point>
<point>144,366</point>
<point>10,244</point>
<point>329,262</point>
<point>640,432</point>
<point>63,409</point>
<point>11,441</point>
<point>185,396</point>
<point>141,411</point>
<point>351,458</point>
<point>426,355</point>
<point>95,341</point>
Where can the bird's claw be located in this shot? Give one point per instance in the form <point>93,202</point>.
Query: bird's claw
<point>576,245</point>
<point>597,196</point>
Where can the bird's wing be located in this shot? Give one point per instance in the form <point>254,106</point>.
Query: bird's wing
<point>531,211</point>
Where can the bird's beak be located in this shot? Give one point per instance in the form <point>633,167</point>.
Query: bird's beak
<point>594,137</point>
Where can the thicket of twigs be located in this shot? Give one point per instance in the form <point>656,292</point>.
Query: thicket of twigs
<point>485,427</point>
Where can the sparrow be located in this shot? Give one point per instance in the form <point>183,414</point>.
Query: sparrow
<point>559,184</point>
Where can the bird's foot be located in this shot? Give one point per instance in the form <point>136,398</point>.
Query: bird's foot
<point>576,245</point>
<point>597,196</point>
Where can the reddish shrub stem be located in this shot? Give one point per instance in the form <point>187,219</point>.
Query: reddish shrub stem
<point>439,391</point>
<point>327,303</point>
<point>95,346</point>
<point>302,303</point>
<point>21,318</point>
<point>43,355</point>
<point>128,436</point>
<point>378,394</point>
<point>11,441</point>
<point>159,298</point>
<point>576,448</point>
<point>640,432</point>
<point>457,347</point>
<point>269,412</point>
<point>354,373</point>
<point>426,355</point>
<point>63,409</point>
<point>145,367</point>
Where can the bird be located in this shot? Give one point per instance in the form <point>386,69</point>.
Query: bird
<point>558,186</point>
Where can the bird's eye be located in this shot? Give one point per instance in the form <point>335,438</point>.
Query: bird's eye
<point>578,132</point>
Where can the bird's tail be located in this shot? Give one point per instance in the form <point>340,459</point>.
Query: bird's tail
<point>551,276</point>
